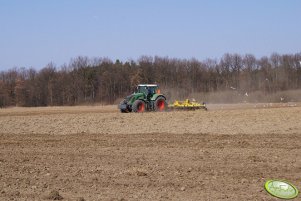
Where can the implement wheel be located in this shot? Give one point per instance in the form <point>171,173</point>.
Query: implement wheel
<point>160,104</point>
<point>138,106</point>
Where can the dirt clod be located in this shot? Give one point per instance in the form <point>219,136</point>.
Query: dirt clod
<point>54,195</point>
<point>141,173</point>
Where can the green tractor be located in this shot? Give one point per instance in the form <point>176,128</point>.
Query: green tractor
<point>147,97</point>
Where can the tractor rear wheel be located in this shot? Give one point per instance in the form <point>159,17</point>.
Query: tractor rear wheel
<point>138,106</point>
<point>160,104</point>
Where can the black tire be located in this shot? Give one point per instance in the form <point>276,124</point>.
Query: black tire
<point>138,106</point>
<point>160,104</point>
<point>124,111</point>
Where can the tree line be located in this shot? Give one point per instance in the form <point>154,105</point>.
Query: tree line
<point>85,80</point>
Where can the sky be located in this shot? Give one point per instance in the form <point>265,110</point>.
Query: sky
<point>34,33</point>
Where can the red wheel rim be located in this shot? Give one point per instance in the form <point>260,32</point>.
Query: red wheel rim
<point>141,107</point>
<point>161,105</point>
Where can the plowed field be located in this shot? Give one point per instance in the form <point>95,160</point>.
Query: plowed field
<point>96,153</point>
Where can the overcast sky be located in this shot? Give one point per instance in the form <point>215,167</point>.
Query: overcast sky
<point>34,32</point>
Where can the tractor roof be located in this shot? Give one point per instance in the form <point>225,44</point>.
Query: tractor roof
<point>147,85</point>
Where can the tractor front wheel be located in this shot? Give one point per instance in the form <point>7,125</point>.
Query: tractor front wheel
<point>160,104</point>
<point>138,106</point>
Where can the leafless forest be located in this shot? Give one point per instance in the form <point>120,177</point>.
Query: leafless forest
<point>99,80</point>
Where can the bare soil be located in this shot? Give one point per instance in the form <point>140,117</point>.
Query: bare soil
<point>96,153</point>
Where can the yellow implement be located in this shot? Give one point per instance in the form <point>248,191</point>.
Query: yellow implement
<point>187,105</point>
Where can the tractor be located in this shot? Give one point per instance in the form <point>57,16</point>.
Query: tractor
<point>147,97</point>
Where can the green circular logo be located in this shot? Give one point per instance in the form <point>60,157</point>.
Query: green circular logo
<point>281,189</point>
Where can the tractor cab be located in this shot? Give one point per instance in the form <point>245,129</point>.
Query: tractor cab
<point>148,89</point>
